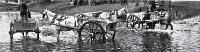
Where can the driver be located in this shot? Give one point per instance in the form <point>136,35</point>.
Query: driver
<point>24,12</point>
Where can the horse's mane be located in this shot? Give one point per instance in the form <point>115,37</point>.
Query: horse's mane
<point>120,11</point>
<point>139,14</point>
<point>49,13</point>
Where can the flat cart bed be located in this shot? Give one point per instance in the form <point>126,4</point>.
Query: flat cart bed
<point>100,20</point>
<point>21,26</point>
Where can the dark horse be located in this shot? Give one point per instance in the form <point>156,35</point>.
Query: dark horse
<point>163,19</point>
<point>150,19</point>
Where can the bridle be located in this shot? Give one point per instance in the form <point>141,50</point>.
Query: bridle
<point>115,12</point>
<point>45,14</point>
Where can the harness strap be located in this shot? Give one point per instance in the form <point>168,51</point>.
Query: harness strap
<point>163,13</point>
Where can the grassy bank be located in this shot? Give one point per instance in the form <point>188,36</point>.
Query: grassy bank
<point>185,9</point>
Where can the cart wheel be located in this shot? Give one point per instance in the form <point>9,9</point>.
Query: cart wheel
<point>131,21</point>
<point>92,32</point>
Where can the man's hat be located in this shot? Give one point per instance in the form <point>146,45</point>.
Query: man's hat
<point>23,5</point>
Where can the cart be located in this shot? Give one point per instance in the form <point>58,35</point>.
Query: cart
<point>22,27</point>
<point>150,19</point>
<point>90,27</point>
<point>95,30</point>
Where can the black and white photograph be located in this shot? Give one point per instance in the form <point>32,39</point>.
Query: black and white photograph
<point>99,25</point>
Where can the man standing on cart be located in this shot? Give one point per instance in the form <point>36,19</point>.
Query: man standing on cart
<point>24,12</point>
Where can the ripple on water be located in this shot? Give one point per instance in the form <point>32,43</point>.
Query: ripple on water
<point>68,40</point>
<point>187,41</point>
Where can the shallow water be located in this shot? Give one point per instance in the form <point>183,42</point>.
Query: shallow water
<point>185,38</point>
<point>68,40</point>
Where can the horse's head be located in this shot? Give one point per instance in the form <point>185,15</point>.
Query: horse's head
<point>114,12</point>
<point>49,15</point>
<point>47,12</point>
<point>123,11</point>
<point>120,12</point>
<point>44,13</point>
<point>164,14</point>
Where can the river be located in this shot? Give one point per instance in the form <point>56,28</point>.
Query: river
<point>184,38</point>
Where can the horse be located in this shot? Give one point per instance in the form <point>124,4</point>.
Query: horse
<point>58,19</point>
<point>165,19</point>
<point>150,19</point>
<point>114,14</point>
<point>133,19</point>
<point>57,22</point>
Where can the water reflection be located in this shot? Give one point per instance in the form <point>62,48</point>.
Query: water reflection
<point>28,44</point>
<point>157,42</point>
<point>109,46</point>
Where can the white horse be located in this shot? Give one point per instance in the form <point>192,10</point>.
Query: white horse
<point>56,22</point>
<point>59,19</point>
<point>103,15</point>
<point>88,15</point>
<point>139,15</point>
<point>114,14</point>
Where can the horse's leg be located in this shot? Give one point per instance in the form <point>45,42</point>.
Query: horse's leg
<point>169,23</point>
<point>26,33</point>
<point>38,36</point>
<point>142,25</point>
<point>58,38</point>
<point>147,25</point>
<point>133,26</point>
<point>139,24</point>
<point>153,25</point>
<point>22,34</point>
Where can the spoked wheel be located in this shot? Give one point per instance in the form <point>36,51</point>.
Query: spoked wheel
<point>131,21</point>
<point>92,32</point>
